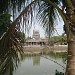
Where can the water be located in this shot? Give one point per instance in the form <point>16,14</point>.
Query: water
<point>37,65</point>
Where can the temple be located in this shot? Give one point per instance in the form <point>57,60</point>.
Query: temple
<point>36,40</point>
<point>36,34</point>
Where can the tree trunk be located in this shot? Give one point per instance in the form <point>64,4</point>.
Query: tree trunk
<point>70,13</point>
<point>71,59</point>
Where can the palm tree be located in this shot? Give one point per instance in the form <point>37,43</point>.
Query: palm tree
<point>69,7</point>
<point>70,16</point>
<point>48,13</point>
<point>11,50</point>
<point>47,16</point>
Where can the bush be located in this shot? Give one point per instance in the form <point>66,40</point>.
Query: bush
<point>58,73</point>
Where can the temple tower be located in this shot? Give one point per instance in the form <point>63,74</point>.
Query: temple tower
<point>36,34</point>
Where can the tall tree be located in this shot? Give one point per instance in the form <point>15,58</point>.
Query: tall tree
<point>70,16</point>
<point>11,50</point>
<point>67,12</point>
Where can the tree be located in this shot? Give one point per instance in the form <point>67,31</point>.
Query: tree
<point>68,18</point>
<point>61,39</point>
<point>4,22</point>
<point>9,46</point>
<point>11,50</point>
<point>70,13</point>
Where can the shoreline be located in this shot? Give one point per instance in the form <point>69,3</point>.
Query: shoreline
<point>35,50</point>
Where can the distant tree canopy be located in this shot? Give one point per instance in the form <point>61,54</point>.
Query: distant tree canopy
<point>59,39</point>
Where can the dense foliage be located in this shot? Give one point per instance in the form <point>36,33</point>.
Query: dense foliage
<point>4,23</point>
<point>61,39</point>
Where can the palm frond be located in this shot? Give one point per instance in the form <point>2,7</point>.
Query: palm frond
<point>46,16</point>
<point>11,50</point>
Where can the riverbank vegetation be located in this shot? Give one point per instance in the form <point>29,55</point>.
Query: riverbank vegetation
<point>59,40</point>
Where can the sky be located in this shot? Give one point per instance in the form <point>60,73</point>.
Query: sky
<point>58,27</point>
<point>36,26</point>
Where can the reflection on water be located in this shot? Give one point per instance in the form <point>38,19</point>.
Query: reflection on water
<point>62,55</point>
<point>36,60</point>
<point>37,65</point>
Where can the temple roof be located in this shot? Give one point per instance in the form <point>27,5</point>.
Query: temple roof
<point>36,34</point>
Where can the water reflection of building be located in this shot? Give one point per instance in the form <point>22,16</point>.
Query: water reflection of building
<point>36,40</point>
<point>36,60</point>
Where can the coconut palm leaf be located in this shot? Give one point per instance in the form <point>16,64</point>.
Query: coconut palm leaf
<point>60,11</point>
<point>11,50</point>
<point>47,16</point>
